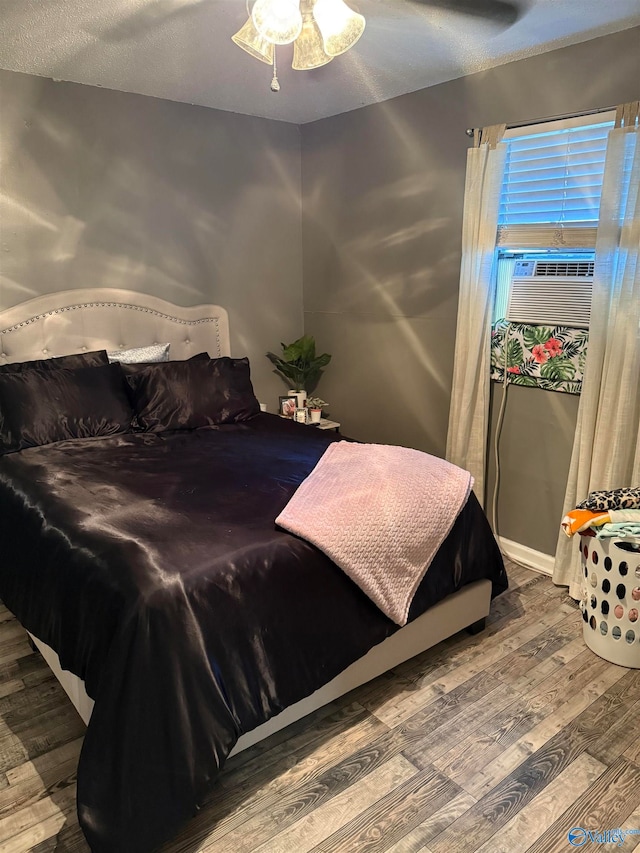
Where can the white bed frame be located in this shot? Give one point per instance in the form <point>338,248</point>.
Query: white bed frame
<point>75,321</point>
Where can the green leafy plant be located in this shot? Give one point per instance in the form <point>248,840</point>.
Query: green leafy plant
<point>316,403</point>
<point>299,366</point>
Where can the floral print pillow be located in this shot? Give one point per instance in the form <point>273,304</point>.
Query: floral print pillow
<point>539,356</point>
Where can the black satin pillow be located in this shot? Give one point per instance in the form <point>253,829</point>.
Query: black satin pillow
<point>195,393</point>
<point>40,406</point>
<point>81,359</point>
<point>136,367</point>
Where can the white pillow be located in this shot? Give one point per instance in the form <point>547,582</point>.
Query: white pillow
<point>136,355</point>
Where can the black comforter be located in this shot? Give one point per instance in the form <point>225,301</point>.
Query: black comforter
<point>152,565</point>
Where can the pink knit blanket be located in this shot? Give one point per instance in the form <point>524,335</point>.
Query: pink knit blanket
<point>380,513</point>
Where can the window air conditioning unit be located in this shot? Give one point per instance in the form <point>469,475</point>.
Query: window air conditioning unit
<point>551,293</point>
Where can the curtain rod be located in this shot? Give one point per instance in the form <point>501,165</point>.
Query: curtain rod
<point>470,130</point>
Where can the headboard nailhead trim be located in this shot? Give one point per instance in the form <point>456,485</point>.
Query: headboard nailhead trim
<point>169,317</point>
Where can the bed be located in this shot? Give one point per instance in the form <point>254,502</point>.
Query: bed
<point>183,623</point>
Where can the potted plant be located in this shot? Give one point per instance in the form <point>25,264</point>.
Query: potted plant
<point>299,365</point>
<point>315,406</point>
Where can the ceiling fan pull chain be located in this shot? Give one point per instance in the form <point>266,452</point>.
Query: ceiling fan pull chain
<point>275,85</point>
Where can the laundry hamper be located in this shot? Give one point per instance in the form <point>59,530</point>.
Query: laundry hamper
<point>611,598</point>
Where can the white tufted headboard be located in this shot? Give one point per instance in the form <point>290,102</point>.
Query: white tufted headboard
<point>73,321</point>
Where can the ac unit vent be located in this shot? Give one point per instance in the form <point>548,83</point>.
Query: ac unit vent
<point>551,293</point>
<point>575,269</point>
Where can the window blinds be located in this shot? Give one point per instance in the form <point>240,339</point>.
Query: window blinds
<point>552,185</point>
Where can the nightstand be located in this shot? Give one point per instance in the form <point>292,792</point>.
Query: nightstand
<point>327,424</point>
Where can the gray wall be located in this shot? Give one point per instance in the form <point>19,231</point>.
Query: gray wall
<point>383,191</point>
<point>103,188</point>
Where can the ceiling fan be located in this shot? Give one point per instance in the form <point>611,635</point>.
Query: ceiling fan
<point>505,12</point>
<point>323,29</point>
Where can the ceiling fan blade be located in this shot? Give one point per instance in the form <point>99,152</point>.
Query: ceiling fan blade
<point>501,11</point>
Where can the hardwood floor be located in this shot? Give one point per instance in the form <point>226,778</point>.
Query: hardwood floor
<point>496,743</point>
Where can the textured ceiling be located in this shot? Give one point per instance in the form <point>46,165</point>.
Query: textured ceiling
<point>182,50</point>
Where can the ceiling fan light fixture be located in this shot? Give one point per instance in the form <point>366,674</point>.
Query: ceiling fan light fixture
<point>278,21</point>
<point>308,48</point>
<point>340,26</point>
<point>319,30</point>
<point>249,39</point>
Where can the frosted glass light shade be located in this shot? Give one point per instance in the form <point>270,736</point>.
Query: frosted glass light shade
<point>278,21</point>
<point>340,26</point>
<point>308,48</point>
<point>249,39</point>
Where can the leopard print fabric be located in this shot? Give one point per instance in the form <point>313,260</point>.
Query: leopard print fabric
<point>626,498</point>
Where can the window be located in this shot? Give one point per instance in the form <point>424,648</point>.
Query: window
<point>552,184</point>
<point>547,223</point>
<point>548,219</point>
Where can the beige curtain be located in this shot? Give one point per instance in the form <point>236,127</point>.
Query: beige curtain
<point>606,449</point>
<point>469,412</point>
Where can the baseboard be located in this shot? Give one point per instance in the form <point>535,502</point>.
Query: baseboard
<point>527,556</point>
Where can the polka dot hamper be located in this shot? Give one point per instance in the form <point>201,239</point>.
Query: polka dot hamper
<point>611,599</point>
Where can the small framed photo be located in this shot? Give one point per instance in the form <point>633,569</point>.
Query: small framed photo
<point>287,406</point>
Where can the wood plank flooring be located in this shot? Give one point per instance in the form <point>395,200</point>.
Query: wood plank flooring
<point>497,743</point>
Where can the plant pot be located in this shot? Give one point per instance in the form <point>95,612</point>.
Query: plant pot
<point>315,415</point>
